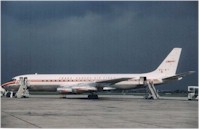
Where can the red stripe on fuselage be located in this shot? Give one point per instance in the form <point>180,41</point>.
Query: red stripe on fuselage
<point>51,80</point>
<point>55,80</point>
<point>8,83</point>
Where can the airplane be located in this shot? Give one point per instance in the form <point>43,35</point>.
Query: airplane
<point>93,83</point>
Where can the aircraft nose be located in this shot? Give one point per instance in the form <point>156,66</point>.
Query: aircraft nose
<point>8,84</point>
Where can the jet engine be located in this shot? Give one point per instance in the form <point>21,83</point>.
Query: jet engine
<point>76,89</point>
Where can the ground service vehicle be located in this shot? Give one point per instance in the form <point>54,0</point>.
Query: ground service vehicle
<point>193,92</point>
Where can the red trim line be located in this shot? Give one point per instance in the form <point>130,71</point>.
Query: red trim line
<point>8,83</point>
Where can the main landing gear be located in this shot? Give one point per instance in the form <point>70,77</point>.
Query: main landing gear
<point>93,96</point>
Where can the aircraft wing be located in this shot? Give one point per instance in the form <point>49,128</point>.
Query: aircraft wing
<point>113,81</point>
<point>92,86</point>
<point>177,76</point>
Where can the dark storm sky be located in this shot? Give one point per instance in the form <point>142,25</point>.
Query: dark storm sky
<point>97,37</point>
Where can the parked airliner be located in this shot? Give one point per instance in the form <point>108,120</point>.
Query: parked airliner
<point>93,83</point>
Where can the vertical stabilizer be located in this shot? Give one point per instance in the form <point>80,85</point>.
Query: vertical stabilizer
<point>169,66</point>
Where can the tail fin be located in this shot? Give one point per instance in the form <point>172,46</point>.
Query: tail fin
<point>169,66</point>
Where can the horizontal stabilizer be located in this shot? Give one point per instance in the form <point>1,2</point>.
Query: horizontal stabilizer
<point>178,76</point>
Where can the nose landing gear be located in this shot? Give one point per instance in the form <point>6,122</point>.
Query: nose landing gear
<point>9,94</point>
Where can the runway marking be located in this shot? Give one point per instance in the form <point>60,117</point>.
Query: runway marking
<point>22,119</point>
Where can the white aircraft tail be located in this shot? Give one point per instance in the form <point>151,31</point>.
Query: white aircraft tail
<point>169,66</point>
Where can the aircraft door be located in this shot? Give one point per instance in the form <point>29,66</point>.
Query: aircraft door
<point>142,80</point>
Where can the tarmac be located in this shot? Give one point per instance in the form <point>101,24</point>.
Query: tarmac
<point>113,111</point>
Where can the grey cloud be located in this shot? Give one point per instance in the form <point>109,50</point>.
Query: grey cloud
<point>39,10</point>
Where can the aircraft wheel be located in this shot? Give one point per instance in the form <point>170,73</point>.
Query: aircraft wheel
<point>93,96</point>
<point>8,94</point>
<point>14,94</point>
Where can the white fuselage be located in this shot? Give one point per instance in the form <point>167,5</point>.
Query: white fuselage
<point>50,82</point>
